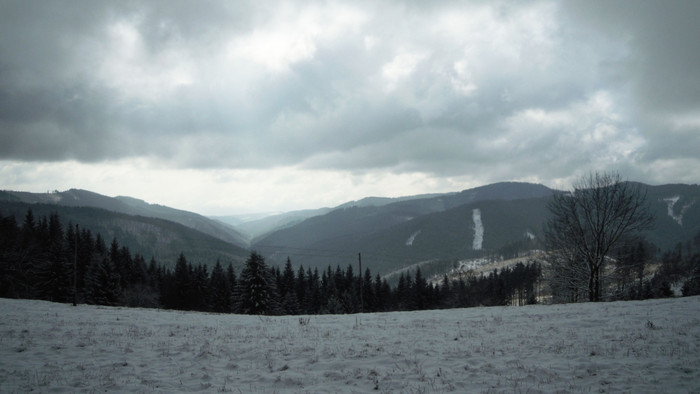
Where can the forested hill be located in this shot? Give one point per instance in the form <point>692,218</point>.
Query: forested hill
<point>42,257</point>
<point>501,219</point>
<point>399,232</point>
<point>130,206</point>
<point>149,237</point>
<point>509,216</point>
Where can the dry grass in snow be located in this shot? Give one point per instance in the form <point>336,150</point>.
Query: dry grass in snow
<point>647,346</point>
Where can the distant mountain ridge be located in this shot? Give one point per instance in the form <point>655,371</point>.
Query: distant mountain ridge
<point>259,228</point>
<point>439,226</point>
<point>254,227</point>
<point>511,216</point>
<point>498,219</point>
<point>150,237</point>
<point>130,206</point>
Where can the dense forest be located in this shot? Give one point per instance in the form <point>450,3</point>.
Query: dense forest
<point>42,258</point>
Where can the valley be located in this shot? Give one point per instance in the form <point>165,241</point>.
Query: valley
<point>503,219</point>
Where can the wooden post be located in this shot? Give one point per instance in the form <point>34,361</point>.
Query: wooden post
<point>75,268</point>
<point>362,280</point>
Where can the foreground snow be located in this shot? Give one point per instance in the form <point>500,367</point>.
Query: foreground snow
<point>648,346</point>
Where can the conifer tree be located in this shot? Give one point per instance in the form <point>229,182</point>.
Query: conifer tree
<point>220,299</point>
<point>103,283</point>
<point>9,257</point>
<point>368,295</point>
<point>199,291</point>
<point>290,301</point>
<point>53,272</point>
<point>419,292</point>
<point>256,292</point>
<point>179,289</point>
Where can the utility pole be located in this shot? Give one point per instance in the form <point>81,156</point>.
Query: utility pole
<point>362,304</point>
<point>75,268</point>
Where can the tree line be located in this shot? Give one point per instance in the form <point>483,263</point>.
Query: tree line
<point>43,259</point>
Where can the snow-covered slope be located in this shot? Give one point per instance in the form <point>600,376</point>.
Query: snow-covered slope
<point>647,346</point>
<point>412,238</point>
<point>478,229</point>
<point>671,202</point>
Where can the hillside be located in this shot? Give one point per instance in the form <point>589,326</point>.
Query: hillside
<point>256,227</point>
<point>441,227</point>
<point>498,220</point>
<point>130,206</point>
<point>150,237</point>
<point>677,211</point>
<point>633,346</point>
<point>509,216</point>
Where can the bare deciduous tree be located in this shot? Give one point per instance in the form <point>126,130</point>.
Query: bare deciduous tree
<point>587,225</point>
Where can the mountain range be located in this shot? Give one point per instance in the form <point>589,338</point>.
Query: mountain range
<point>501,219</point>
<point>147,229</point>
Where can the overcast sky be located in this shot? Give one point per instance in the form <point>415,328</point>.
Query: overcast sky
<point>224,107</point>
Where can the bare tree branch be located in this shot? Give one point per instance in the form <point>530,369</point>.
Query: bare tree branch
<point>587,225</point>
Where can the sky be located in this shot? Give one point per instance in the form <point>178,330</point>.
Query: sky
<point>227,107</point>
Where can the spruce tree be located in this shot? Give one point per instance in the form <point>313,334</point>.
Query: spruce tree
<point>256,292</point>
<point>290,301</point>
<point>53,273</point>
<point>419,292</point>
<point>9,258</point>
<point>103,283</point>
<point>220,296</point>
<point>199,288</point>
<point>179,291</point>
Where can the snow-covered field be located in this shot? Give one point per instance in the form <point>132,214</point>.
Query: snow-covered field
<point>648,346</point>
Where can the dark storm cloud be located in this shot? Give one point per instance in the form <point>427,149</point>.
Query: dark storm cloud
<point>447,89</point>
<point>54,105</point>
<point>662,67</point>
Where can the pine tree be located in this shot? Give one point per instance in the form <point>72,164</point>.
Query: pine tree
<point>9,257</point>
<point>53,273</point>
<point>446,294</point>
<point>199,293</point>
<point>220,296</point>
<point>302,289</point>
<point>313,292</point>
<point>381,296</point>
<point>86,254</point>
<point>103,283</point>
<point>419,292</point>
<point>290,301</point>
<point>179,288</point>
<point>369,298</point>
<point>256,292</point>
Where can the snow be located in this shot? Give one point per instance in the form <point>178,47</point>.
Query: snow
<point>409,241</point>
<point>478,229</point>
<point>670,202</point>
<point>472,264</point>
<point>635,346</point>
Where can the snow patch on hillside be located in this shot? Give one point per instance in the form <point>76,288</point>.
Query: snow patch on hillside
<point>670,204</point>
<point>473,264</point>
<point>478,229</point>
<point>409,241</point>
<point>484,266</point>
<point>529,235</point>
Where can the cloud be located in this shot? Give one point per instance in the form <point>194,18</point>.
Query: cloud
<point>660,66</point>
<point>477,91</point>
